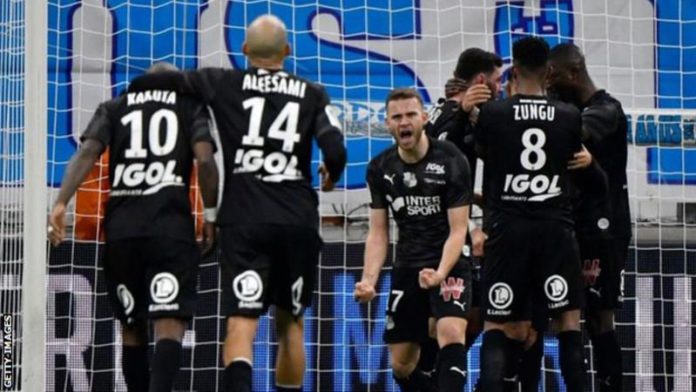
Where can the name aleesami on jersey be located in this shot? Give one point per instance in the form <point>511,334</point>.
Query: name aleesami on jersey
<point>162,96</point>
<point>156,175</point>
<point>276,165</point>
<point>277,83</point>
<point>534,109</point>
<point>540,185</point>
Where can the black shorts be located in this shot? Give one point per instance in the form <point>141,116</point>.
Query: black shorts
<point>602,272</point>
<point>151,277</point>
<point>529,261</point>
<point>266,264</point>
<point>409,306</point>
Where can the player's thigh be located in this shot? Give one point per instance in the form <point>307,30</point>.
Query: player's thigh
<point>559,278</point>
<point>408,308</point>
<point>453,297</point>
<point>124,272</point>
<point>294,268</point>
<point>601,273</point>
<point>506,277</point>
<point>171,277</point>
<point>245,268</point>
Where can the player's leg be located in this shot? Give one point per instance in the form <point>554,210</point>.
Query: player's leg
<point>603,261</point>
<point>134,361</point>
<point>507,281</point>
<point>403,359</point>
<point>125,275</point>
<point>501,348</point>
<point>172,274</point>
<point>290,359</point>
<point>449,303</point>
<point>293,275</point>
<point>166,359</point>
<point>408,311</point>
<point>529,370</point>
<point>245,283</point>
<point>237,353</point>
<point>562,284</point>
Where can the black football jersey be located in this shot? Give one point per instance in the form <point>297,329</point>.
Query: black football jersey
<point>605,131</point>
<point>526,143</point>
<point>150,131</point>
<point>591,201</point>
<point>419,196</point>
<point>267,121</point>
<point>446,121</point>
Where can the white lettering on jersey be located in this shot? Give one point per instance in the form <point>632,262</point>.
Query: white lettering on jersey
<point>540,185</point>
<point>163,96</point>
<point>276,164</point>
<point>534,110</point>
<point>276,83</point>
<point>416,205</point>
<point>157,175</point>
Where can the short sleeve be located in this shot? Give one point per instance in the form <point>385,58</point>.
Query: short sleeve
<point>99,127</point>
<point>600,121</point>
<point>459,192</point>
<point>480,130</point>
<point>326,119</point>
<point>200,125</point>
<point>374,183</point>
<point>204,82</point>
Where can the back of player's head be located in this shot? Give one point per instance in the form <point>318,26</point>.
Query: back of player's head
<point>530,55</point>
<point>402,93</point>
<point>266,38</point>
<point>569,55</point>
<point>473,61</point>
<point>161,66</point>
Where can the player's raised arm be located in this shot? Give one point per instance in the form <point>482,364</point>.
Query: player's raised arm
<point>95,138</point>
<point>330,140</point>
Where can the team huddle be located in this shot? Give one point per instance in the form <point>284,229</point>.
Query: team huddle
<point>553,241</point>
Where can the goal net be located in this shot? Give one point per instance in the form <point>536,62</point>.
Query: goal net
<point>640,51</point>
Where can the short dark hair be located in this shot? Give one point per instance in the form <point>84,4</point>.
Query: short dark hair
<point>530,53</point>
<point>400,93</point>
<point>474,61</point>
<point>567,53</point>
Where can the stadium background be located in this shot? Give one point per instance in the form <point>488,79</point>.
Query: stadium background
<point>643,52</point>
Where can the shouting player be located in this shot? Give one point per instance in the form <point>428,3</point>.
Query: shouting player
<point>153,132</point>
<point>604,129</point>
<point>526,142</point>
<point>267,119</point>
<point>427,185</point>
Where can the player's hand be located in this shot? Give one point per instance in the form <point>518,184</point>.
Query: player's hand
<point>428,277</point>
<point>208,243</point>
<point>56,224</point>
<point>581,159</point>
<point>478,238</point>
<point>327,184</point>
<point>475,95</point>
<point>364,292</point>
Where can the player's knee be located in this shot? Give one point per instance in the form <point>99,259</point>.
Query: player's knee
<point>169,328</point>
<point>568,321</point>
<point>518,331</point>
<point>134,334</point>
<point>402,368</point>
<point>451,330</point>
<point>532,337</point>
<point>600,322</point>
<point>241,328</point>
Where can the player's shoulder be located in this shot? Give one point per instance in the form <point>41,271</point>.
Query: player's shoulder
<point>384,158</point>
<point>602,98</point>
<point>445,148</point>
<point>113,107</point>
<point>564,108</point>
